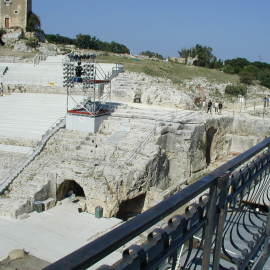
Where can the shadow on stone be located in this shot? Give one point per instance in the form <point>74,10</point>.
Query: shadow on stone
<point>131,208</point>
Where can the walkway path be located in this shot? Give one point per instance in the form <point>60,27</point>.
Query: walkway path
<point>56,232</point>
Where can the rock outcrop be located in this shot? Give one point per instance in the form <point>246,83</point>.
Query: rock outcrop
<point>135,150</point>
<point>152,90</point>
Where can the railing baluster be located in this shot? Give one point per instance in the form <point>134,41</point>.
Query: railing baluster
<point>266,248</point>
<point>209,227</point>
<point>223,183</point>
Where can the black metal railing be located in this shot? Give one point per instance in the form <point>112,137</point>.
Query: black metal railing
<point>227,225</point>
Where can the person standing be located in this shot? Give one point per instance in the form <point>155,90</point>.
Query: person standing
<point>216,106</point>
<point>203,105</point>
<point>220,107</point>
<point>209,106</point>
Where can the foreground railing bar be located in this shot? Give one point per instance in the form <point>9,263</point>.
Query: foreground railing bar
<point>101,247</point>
<point>173,247</point>
<point>104,245</point>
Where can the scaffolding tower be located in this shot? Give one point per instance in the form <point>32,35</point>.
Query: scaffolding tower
<point>89,83</point>
<point>85,80</point>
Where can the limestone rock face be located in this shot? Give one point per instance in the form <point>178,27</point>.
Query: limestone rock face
<point>16,254</point>
<point>48,49</point>
<point>39,35</point>
<point>139,155</point>
<point>134,151</point>
<point>152,90</point>
<point>21,46</point>
<point>248,131</point>
<point>11,36</point>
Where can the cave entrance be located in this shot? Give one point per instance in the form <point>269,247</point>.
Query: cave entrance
<point>210,133</point>
<point>131,208</point>
<point>67,188</point>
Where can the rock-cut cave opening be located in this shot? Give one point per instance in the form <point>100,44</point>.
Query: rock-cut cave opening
<point>67,188</point>
<point>131,208</point>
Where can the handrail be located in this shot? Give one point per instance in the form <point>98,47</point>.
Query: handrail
<point>96,250</point>
<point>32,155</point>
<point>38,58</point>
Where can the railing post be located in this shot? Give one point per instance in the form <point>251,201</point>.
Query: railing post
<point>266,248</point>
<point>209,227</point>
<point>223,183</point>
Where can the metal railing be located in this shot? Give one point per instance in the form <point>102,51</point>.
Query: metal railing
<point>228,227</point>
<point>14,172</point>
<point>38,58</point>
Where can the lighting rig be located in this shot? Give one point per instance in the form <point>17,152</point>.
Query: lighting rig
<point>82,76</point>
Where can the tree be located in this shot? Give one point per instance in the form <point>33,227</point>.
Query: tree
<point>235,90</point>
<point>265,78</point>
<point>152,54</point>
<point>33,22</point>
<point>185,53</point>
<point>216,63</point>
<point>86,42</point>
<point>118,48</point>
<point>228,69</point>
<point>237,64</point>
<point>58,39</point>
<point>204,54</point>
<point>246,77</point>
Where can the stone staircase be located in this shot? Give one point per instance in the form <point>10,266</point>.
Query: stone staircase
<point>47,73</point>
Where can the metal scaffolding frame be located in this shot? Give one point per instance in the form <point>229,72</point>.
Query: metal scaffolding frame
<point>83,76</point>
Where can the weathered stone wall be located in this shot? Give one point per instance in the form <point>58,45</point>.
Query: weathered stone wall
<point>247,131</point>
<point>16,12</point>
<point>137,153</point>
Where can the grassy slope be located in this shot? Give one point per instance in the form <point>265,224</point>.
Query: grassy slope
<point>173,71</point>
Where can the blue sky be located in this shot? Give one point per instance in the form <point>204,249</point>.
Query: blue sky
<point>233,28</point>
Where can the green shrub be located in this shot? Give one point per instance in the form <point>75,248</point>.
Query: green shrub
<point>32,42</point>
<point>235,90</point>
<point>228,69</point>
<point>149,71</point>
<point>265,79</point>
<point>152,54</point>
<point>246,77</point>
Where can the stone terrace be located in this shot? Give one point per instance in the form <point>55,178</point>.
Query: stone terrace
<point>120,161</point>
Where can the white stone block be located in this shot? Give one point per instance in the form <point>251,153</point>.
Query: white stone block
<point>84,123</point>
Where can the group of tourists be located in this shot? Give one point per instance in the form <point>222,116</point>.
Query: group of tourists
<point>210,106</point>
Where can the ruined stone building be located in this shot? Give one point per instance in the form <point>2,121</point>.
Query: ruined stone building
<point>14,13</point>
